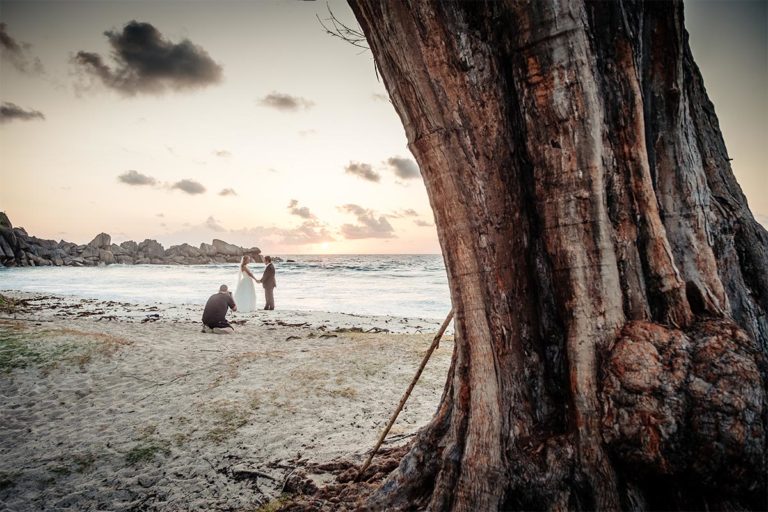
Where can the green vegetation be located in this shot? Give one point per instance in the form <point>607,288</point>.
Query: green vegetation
<point>146,452</point>
<point>21,349</point>
<point>7,480</point>
<point>275,504</point>
<point>24,347</point>
<point>12,306</point>
<point>60,470</point>
<point>228,417</point>
<point>83,462</point>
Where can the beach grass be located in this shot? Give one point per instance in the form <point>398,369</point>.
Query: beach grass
<point>146,452</point>
<point>23,347</point>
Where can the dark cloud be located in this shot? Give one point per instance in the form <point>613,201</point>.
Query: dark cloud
<point>363,171</point>
<point>12,112</point>
<point>222,153</point>
<point>146,62</point>
<point>404,168</point>
<point>18,54</point>
<point>285,102</point>
<point>189,186</point>
<point>302,212</point>
<point>227,192</point>
<point>136,178</point>
<point>423,223</point>
<point>368,226</point>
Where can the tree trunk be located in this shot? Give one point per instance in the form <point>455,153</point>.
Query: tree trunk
<point>609,282</point>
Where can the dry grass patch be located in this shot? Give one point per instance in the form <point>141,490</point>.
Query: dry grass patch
<point>22,347</point>
<point>228,417</point>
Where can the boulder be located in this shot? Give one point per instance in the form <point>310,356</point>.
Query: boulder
<point>106,257</point>
<point>40,242</point>
<point>116,249</point>
<point>207,249</point>
<point>90,252</point>
<point>68,247</point>
<point>151,249</point>
<point>227,249</point>
<point>130,247</point>
<point>58,256</point>
<point>102,241</point>
<point>183,250</point>
<point>124,259</point>
<point>5,249</point>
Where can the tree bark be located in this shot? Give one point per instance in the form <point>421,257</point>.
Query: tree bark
<point>609,282</point>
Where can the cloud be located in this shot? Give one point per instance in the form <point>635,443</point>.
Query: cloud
<point>404,168</point>
<point>363,171</point>
<point>399,214</point>
<point>302,212</point>
<point>12,112</point>
<point>309,232</point>
<point>379,97</point>
<point>189,186</point>
<point>285,102</point>
<point>147,63</point>
<point>368,225</point>
<point>161,215</point>
<point>307,133</point>
<point>18,54</point>
<point>222,153</point>
<point>136,178</point>
<point>423,223</point>
<point>227,192</point>
<point>213,224</point>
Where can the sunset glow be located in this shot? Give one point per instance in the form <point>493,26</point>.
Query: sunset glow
<point>282,137</point>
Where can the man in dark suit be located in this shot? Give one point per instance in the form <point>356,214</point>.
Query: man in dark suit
<point>216,310</point>
<point>268,282</point>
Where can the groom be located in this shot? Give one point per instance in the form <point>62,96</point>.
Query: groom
<point>268,282</point>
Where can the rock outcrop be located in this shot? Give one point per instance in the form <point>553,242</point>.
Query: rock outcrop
<point>19,249</point>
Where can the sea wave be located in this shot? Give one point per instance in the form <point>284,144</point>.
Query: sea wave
<point>399,285</point>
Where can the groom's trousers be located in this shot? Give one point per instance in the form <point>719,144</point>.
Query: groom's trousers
<point>269,296</point>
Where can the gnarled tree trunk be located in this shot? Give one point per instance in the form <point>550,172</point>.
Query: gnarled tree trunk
<point>609,281</point>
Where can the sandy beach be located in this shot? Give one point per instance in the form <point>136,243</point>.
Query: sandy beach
<point>117,406</point>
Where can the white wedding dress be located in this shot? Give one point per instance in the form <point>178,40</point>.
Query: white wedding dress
<point>245,292</point>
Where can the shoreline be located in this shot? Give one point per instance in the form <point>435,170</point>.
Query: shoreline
<point>51,305</point>
<point>107,406</point>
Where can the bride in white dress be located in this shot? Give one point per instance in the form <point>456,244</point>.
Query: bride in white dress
<point>245,292</point>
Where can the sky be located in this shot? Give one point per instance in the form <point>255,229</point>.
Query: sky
<point>184,121</point>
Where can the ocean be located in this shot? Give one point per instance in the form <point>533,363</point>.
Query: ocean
<point>396,285</point>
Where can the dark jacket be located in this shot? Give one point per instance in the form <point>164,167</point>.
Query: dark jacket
<point>268,278</point>
<point>216,309</point>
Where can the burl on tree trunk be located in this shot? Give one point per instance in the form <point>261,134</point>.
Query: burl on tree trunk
<point>609,281</point>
